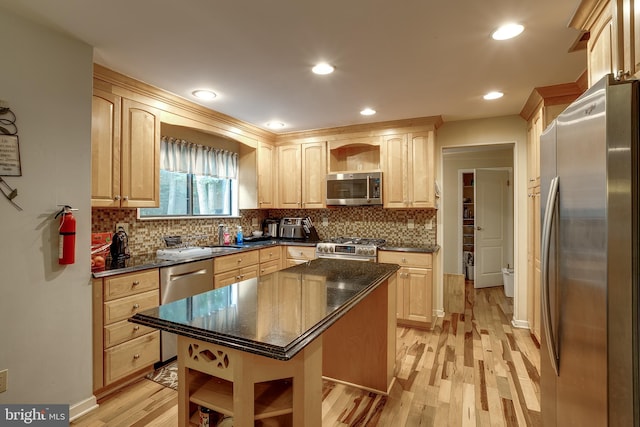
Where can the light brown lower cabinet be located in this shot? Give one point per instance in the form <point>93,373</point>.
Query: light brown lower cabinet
<point>235,268</point>
<point>295,255</point>
<point>270,260</point>
<point>123,351</point>
<point>415,287</point>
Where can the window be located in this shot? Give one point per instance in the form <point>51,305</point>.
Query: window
<point>195,181</point>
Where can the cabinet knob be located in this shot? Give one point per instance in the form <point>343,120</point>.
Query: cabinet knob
<point>404,260</point>
<point>125,198</point>
<point>136,328</point>
<point>237,277</point>
<point>239,260</point>
<point>136,283</point>
<point>136,306</point>
<point>136,356</point>
<point>117,197</point>
<point>262,270</point>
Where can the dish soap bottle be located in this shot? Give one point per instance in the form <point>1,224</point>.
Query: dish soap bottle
<point>239,236</point>
<point>227,236</point>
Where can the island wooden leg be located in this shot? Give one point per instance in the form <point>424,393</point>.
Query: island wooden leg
<point>183,394</point>
<point>243,394</point>
<point>307,386</point>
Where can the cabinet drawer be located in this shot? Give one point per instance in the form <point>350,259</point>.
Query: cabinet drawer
<point>235,276</point>
<point>235,261</point>
<point>270,254</point>
<point>126,307</point>
<point>301,252</point>
<point>124,359</point>
<point>129,284</point>
<point>122,331</point>
<point>269,267</point>
<point>414,259</point>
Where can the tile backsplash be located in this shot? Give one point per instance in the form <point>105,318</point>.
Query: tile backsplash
<point>145,236</point>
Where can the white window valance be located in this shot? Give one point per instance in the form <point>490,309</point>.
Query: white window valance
<point>178,155</point>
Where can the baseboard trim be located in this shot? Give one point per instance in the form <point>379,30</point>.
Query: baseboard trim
<point>520,324</point>
<point>84,407</point>
<point>439,313</point>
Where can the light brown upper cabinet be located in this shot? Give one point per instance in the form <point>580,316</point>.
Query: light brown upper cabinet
<point>302,170</point>
<point>354,155</point>
<point>125,152</point>
<point>408,170</point>
<point>266,167</point>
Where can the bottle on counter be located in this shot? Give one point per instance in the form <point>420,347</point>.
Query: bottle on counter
<point>227,236</point>
<point>239,236</point>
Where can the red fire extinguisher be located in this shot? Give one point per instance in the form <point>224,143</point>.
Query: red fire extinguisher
<point>67,236</point>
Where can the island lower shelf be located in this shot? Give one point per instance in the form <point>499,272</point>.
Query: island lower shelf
<point>272,398</point>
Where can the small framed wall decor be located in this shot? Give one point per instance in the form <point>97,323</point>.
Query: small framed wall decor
<point>9,156</point>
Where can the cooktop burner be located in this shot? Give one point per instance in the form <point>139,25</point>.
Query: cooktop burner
<point>357,241</point>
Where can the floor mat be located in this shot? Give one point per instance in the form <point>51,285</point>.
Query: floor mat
<point>166,375</point>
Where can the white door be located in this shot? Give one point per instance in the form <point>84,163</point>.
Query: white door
<point>491,198</point>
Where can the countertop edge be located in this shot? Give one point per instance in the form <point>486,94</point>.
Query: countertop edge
<point>419,249</point>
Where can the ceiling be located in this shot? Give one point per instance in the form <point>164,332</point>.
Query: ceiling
<point>405,59</point>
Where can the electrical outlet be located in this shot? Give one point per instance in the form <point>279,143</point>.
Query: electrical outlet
<point>430,224</point>
<point>254,222</point>
<point>124,225</point>
<point>410,223</point>
<point>3,380</point>
<point>325,222</point>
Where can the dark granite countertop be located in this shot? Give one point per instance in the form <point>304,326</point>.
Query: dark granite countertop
<point>275,315</point>
<point>146,261</point>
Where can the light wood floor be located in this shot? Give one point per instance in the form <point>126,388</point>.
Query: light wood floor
<point>472,369</point>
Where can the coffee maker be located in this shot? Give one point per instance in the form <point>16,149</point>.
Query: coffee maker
<point>119,248</point>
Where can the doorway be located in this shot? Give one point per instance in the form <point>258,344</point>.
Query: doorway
<point>485,206</point>
<point>457,161</point>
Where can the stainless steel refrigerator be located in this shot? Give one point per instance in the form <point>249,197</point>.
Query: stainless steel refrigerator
<point>589,185</point>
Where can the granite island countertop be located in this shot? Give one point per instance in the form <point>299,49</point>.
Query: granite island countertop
<point>275,315</point>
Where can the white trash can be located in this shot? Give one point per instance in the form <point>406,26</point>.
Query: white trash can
<point>507,280</point>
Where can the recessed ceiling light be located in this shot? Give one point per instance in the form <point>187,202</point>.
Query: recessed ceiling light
<point>493,95</point>
<point>507,31</point>
<point>368,112</point>
<point>275,125</point>
<point>204,94</point>
<point>323,68</point>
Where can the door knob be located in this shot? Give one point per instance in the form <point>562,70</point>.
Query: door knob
<point>478,228</point>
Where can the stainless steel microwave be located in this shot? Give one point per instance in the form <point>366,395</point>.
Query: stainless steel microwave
<point>354,189</point>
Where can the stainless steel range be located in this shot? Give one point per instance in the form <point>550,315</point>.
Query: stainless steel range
<point>353,248</point>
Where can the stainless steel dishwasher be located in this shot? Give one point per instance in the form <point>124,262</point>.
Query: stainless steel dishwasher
<point>178,282</point>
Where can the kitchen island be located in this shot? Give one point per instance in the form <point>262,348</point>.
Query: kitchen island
<point>258,349</point>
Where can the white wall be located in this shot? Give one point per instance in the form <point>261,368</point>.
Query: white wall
<point>499,130</point>
<point>45,308</point>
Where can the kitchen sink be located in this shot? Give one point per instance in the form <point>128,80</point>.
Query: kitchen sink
<point>192,252</point>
